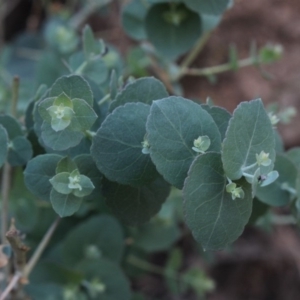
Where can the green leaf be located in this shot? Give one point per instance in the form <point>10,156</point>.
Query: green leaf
<point>73,86</point>
<point>209,22</point>
<point>20,151</point>
<point>4,145</point>
<point>105,280</point>
<point>46,291</point>
<point>64,205</point>
<point>143,90</point>
<point>94,68</point>
<point>84,116</point>
<point>86,187</point>
<point>156,236</point>
<point>173,30</point>
<point>173,125</point>
<point>86,166</point>
<point>117,146</point>
<point>249,132</point>
<point>102,232</point>
<point>11,125</point>
<point>60,183</point>
<point>133,18</point>
<point>214,218</point>
<point>38,172</point>
<point>274,194</point>
<point>221,117</point>
<point>135,206</point>
<point>91,46</point>
<point>210,7</point>
<point>65,165</point>
<point>60,140</point>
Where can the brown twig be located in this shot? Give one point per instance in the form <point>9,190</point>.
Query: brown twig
<point>19,248</point>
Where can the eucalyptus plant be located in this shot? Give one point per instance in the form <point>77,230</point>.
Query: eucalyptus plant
<point>111,154</point>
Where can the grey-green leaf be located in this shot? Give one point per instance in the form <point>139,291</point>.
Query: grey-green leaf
<point>173,125</point>
<point>133,16</point>
<point>60,140</point>
<point>221,117</point>
<point>64,205</point>
<point>11,125</point>
<point>249,132</point>
<point>73,86</point>
<point>274,194</point>
<point>173,30</point>
<point>143,90</point>
<point>214,218</point>
<point>103,232</point>
<point>38,172</point>
<point>117,146</point>
<point>110,276</point>
<point>20,151</point>
<point>135,206</point>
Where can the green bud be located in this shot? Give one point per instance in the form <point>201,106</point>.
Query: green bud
<point>236,192</point>
<point>263,159</point>
<point>201,144</point>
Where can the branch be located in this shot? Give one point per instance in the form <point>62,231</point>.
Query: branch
<point>40,249</point>
<point>250,61</point>
<point>11,285</point>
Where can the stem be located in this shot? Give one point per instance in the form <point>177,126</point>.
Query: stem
<point>104,99</point>
<point>249,167</point>
<point>40,249</point>
<point>80,69</point>
<point>250,61</point>
<point>11,285</point>
<point>15,95</point>
<point>5,187</point>
<point>144,265</point>
<point>194,53</point>
<point>248,175</point>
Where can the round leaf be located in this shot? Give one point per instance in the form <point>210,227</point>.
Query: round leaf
<point>20,151</point>
<point>133,16</point>
<point>274,194</point>
<point>249,132</point>
<point>86,166</point>
<point>64,205</point>
<point>103,231</point>
<point>117,146</point>
<point>221,117</point>
<point>135,206</point>
<point>109,275</point>
<point>38,172</point>
<point>173,30</point>
<point>60,183</point>
<point>11,125</point>
<point>173,125</point>
<point>84,116</point>
<point>143,90</point>
<point>61,140</point>
<point>214,218</point>
<point>73,86</point>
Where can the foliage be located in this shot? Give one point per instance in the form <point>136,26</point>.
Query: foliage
<point>106,152</point>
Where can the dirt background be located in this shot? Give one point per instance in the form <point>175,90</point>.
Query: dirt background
<point>260,266</point>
